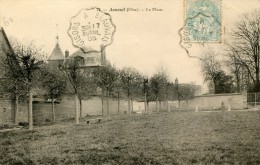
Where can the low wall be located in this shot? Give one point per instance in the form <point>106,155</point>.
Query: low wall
<point>7,106</point>
<point>211,102</point>
<point>42,112</point>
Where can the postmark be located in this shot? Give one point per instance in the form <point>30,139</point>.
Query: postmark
<point>91,30</point>
<point>202,21</point>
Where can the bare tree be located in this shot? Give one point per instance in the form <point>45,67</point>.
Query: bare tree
<point>28,59</point>
<point>244,45</point>
<point>210,67</point>
<point>164,84</point>
<point>188,91</point>
<point>145,90</point>
<point>105,78</point>
<point>131,81</point>
<point>81,83</point>
<point>12,79</point>
<point>54,84</point>
<point>158,85</point>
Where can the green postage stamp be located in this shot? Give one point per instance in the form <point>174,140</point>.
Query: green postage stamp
<point>202,21</point>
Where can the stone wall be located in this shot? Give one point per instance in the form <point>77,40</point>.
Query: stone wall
<point>7,106</point>
<point>66,108</point>
<point>206,102</point>
<point>217,101</point>
<point>6,109</point>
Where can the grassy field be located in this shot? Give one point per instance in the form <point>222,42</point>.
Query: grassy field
<point>164,138</point>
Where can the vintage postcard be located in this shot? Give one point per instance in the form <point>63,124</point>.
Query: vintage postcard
<point>129,82</point>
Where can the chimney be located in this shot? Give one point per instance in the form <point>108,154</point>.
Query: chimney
<point>67,54</point>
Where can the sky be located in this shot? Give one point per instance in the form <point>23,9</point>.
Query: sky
<point>145,40</point>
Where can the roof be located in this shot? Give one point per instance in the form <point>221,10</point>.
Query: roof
<point>79,52</point>
<point>91,58</point>
<point>57,53</point>
<point>5,45</point>
<point>83,54</point>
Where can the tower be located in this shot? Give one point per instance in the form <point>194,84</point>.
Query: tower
<point>57,57</point>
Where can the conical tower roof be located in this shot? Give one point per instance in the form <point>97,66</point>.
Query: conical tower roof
<point>57,54</point>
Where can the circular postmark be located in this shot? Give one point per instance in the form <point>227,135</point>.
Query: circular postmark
<point>91,30</point>
<point>203,28</point>
<point>202,24</point>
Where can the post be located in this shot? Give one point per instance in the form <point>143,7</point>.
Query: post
<point>229,107</point>
<point>255,99</point>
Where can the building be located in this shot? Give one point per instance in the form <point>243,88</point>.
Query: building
<point>84,59</point>
<point>5,47</point>
<point>7,103</point>
<point>88,59</point>
<point>57,57</point>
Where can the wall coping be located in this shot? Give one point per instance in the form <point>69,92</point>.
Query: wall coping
<point>222,94</point>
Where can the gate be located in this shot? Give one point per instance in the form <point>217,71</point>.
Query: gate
<point>253,99</point>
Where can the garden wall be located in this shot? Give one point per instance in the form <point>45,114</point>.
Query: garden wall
<point>66,108</point>
<point>215,101</point>
<point>7,106</point>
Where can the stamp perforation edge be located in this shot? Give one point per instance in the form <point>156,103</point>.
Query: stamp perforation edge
<point>204,42</point>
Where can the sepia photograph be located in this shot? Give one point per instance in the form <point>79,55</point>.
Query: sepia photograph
<point>129,82</point>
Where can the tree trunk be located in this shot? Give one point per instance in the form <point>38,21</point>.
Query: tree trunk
<point>102,102</point>
<point>132,105</point>
<point>257,69</point>
<point>238,89</point>
<point>179,104</point>
<point>30,111</point>
<point>257,86</point>
<point>148,111</point>
<point>118,104</point>
<point>80,108</point>
<point>187,103</point>
<point>168,107</point>
<point>107,106</point>
<point>128,99</point>
<point>53,110</point>
<point>157,110</point>
<point>76,110</point>
<point>145,103</point>
<point>16,110</point>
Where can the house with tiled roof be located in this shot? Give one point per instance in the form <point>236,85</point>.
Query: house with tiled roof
<point>88,59</point>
